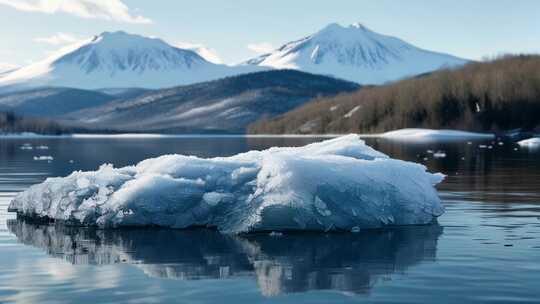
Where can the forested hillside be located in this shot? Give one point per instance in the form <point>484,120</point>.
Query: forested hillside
<point>499,94</point>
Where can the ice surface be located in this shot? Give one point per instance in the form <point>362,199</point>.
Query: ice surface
<point>533,142</point>
<point>338,184</point>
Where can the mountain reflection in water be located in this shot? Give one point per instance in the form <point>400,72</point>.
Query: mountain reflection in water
<point>280,264</point>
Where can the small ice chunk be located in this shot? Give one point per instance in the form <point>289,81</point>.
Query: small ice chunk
<point>439,154</point>
<point>43,158</point>
<point>42,147</point>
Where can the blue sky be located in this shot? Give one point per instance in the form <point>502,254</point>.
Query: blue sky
<point>237,30</point>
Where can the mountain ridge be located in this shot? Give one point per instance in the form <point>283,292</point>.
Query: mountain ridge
<point>356,53</point>
<point>120,60</point>
<point>225,105</point>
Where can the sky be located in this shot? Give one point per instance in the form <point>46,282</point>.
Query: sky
<point>234,31</point>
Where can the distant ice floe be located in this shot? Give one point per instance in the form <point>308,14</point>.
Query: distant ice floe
<point>430,134</point>
<point>335,185</point>
<point>26,146</point>
<point>43,158</point>
<point>439,154</point>
<point>530,143</point>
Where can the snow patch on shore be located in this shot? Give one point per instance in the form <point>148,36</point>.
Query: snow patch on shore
<point>431,134</point>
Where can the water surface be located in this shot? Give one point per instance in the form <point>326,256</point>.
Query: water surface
<point>485,248</point>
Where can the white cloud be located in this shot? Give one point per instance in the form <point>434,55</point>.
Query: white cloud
<point>261,47</point>
<point>206,53</point>
<point>4,66</point>
<point>58,39</point>
<point>114,10</point>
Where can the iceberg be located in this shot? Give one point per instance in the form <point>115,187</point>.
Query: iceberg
<point>339,184</point>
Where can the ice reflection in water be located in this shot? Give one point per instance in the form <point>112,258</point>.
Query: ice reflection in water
<point>281,264</point>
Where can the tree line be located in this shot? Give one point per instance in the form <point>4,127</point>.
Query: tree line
<point>13,123</point>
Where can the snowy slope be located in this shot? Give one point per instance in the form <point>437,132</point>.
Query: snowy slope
<point>357,54</point>
<point>120,60</point>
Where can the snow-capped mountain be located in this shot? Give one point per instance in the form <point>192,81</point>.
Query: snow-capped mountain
<point>357,54</point>
<point>120,60</point>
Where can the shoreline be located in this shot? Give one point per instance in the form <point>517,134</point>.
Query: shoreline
<point>401,134</point>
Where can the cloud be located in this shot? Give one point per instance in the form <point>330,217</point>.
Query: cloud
<point>261,47</point>
<point>114,10</point>
<point>58,39</point>
<point>206,53</point>
<point>4,66</point>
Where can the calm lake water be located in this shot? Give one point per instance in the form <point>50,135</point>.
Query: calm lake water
<point>485,248</point>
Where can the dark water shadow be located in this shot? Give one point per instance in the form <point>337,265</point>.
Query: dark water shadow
<point>287,263</point>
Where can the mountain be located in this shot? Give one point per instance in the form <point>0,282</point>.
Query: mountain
<point>357,54</point>
<point>119,60</point>
<point>225,105</point>
<point>502,94</point>
<point>51,102</point>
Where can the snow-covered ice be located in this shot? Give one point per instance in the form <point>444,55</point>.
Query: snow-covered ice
<point>533,142</point>
<point>44,157</point>
<point>338,184</point>
<point>413,134</point>
<point>439,154</point>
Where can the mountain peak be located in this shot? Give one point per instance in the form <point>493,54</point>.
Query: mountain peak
<point>121,39</point>
<point>360,26</point>
<point>356,53</point>
<point>336,27</point>
<point>118,60</point>
<point>332,27</point>
<point>116,33</point>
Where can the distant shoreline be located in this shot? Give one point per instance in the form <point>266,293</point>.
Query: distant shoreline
<point>404,134</point>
